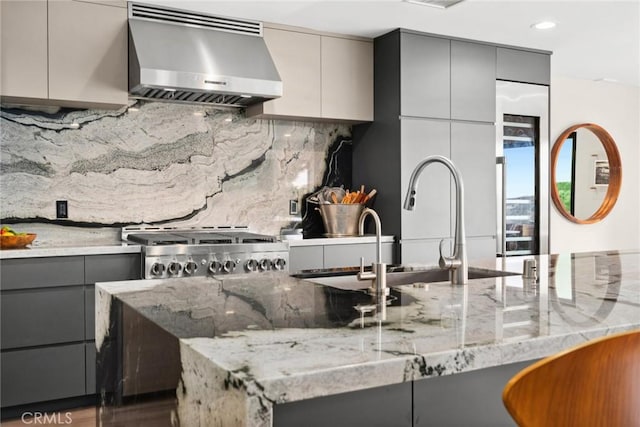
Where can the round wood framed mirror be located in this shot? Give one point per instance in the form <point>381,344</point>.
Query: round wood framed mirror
<point>586,173</point>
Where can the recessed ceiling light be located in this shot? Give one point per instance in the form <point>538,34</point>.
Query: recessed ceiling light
<point>441,4</point>
<point>544,25</point>
<point>606,79</point>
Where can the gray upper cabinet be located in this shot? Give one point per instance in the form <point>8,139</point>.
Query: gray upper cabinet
<point>473,81</point>
<point>447,79</point>
<point>424,76</point>
<point>523,66</point>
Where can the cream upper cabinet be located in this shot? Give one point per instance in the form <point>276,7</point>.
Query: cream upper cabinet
<point>87,52</point>
<point>347,79</point>
<point>64,52</point>
<point>324,77</point>
<point>24,48</point>
<point>117,3</point>
<point>297,58</point>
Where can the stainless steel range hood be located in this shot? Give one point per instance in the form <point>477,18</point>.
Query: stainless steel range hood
<point>181,56</point>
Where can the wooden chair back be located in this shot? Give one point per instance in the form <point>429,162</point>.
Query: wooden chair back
<point>594,384</point>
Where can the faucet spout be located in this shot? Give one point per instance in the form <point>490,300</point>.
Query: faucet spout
<point>457,263</point>
<point>376,219</point>
<point>378,274</point>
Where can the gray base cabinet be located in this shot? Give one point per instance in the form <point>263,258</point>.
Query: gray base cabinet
<point>43,316</point>
<point>42,374</point>
<point>48,321</point>
<point>471,398</point>
<point>337,255</point>
<point>380,406</point>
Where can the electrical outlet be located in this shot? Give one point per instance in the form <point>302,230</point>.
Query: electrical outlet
<point>61,209</point>
<point>294,208</point>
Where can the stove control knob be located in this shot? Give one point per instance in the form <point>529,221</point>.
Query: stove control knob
<point>229,265</point>
<point>265,264</point>
<point>174,268</point>
<point>251,265</point>
<point>279,263</point>
<point>190,268</point>
<point>157,269</point>
<point>215,267</point>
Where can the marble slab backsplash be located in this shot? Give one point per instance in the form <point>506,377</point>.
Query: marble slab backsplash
<point>164,164</point>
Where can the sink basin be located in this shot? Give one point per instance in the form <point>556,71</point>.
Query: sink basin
<point>398,276</point>
<point>439,275</point>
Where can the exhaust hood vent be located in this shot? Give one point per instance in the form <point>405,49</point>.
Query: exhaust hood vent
<point>183,56</point>
<point>441,4</point>
<point>192,18</point>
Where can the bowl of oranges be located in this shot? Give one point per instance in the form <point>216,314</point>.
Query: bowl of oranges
<point>11,239</point>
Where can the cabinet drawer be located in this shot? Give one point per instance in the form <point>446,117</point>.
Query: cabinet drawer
<point>481,248</point>
<point>422,251</point>
<point>41,317</point>
<point>111,268</point>
<point>349,255</point>
<point>305,258</point>
<point>41,374</point>
<point>42,272</point>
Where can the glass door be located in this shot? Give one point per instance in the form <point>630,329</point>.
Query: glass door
<point>522,153</point>
<point>520,149</point>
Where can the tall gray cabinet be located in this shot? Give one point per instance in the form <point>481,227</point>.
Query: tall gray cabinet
<point>432,95</point>
<point>437,95</point>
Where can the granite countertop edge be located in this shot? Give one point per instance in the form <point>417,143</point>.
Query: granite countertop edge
<point>78,249</point>
<point>322,241</point>
<point>70,250</point>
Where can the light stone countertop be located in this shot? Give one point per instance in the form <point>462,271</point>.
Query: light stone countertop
<point>70,250</point>
<point>73,245</point>
<point>57,241</point>
<point>252,341</point>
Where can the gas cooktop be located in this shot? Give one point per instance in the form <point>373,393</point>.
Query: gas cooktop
<point>183,252</point>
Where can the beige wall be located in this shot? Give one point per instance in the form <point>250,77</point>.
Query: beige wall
<point>615,107</point>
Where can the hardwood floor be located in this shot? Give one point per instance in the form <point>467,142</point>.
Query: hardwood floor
<point>80,417</point>
<point>156,413</point>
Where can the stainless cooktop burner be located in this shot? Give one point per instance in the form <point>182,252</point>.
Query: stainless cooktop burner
<point>174,252</point>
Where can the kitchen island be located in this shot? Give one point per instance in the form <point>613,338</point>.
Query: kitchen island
<point>241,350</point>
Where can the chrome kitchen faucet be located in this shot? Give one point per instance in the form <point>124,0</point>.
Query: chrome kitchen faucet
<point>378,275</point>
<point>457,263</point>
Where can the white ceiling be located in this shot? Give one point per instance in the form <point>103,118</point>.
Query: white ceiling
<point>593,39</point>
